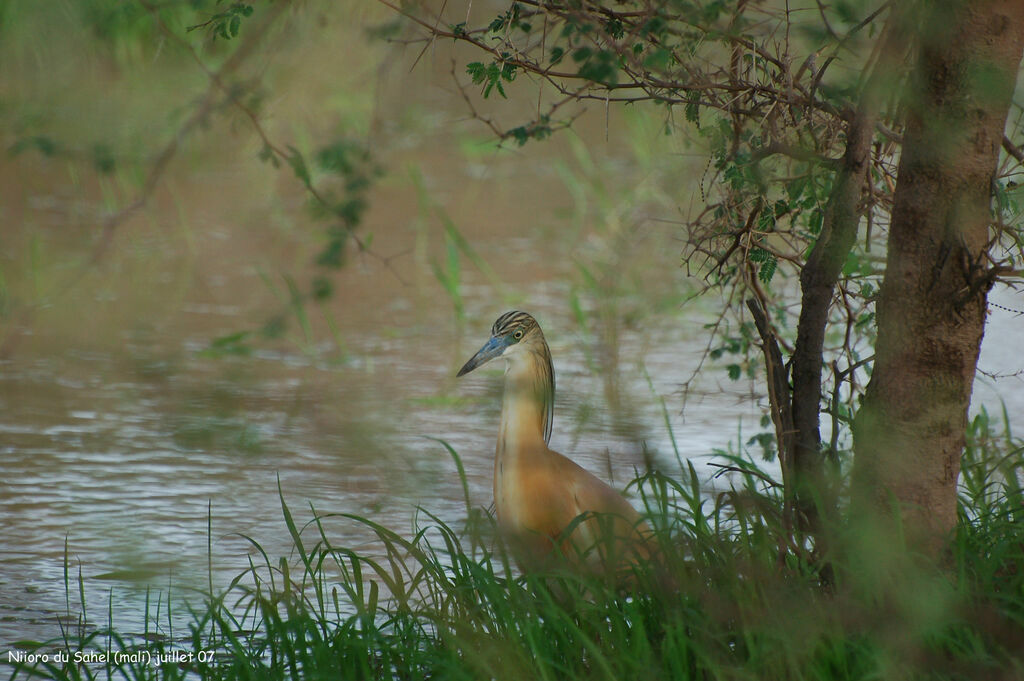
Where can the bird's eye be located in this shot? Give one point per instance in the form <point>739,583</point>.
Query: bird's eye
<point>518,334</point>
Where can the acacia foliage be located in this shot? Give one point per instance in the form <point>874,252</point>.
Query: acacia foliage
<point>776,92</point>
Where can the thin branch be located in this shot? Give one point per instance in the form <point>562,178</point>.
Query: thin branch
<point>233,96</point>
<point>724,468</point>
<point>109,225</point>
<point>1013,150</point>
<point>781,407</point>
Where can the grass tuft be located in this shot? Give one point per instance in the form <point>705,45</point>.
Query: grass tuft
<point>727,596</point>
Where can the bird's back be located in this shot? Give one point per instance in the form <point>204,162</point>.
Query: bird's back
<point>542,493</point>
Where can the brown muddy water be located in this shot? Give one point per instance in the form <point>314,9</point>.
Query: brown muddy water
<point>124,438</point>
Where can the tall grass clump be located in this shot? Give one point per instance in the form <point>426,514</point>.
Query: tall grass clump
<point>729,594</point>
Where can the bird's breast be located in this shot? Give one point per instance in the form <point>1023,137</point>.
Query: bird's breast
<point>528,495</point>
<point>508,497</point>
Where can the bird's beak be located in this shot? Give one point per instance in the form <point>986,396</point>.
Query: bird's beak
<point>491,349</point>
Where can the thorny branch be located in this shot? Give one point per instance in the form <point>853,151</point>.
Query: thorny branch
<point>816,159</point>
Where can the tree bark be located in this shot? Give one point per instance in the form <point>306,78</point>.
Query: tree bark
<point>817,284</point>
<point>909,431</point>
<point>820,274</point>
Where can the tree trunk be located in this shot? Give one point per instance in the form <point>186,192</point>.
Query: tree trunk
<point>820,273</point>
<point>909,432</point>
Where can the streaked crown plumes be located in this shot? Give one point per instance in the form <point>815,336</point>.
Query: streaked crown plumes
<point>514,321</point>
<point>514,333</point>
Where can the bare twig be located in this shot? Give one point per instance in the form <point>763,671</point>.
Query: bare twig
<point>1013,150</point>
<point>109,225</point>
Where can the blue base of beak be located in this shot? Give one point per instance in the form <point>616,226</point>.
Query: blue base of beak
<point>491,349</point>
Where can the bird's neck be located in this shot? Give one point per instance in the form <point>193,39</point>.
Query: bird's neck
<point>526,411</point>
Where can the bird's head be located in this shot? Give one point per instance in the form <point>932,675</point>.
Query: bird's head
<point>513,332</point>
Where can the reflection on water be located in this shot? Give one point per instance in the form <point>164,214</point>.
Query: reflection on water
<point>125,448</point>
<point>124,465</point>
<point>125,457</point>
<point>124,440</point>
<point>128,467</point>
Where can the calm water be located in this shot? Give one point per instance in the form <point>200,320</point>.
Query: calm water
<point>123,460</point>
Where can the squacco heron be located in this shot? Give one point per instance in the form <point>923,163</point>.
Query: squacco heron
<point>539,493</point>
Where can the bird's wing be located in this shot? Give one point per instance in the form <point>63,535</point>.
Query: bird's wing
<point>617,520</point>
<point>590,493</point>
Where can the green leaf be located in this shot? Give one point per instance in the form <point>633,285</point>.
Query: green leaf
<point>333,253</point>
<point>601,67</point>
<point>581,54</point>
<point>614,28</point>
<point>767,270</point>
<point>322,289</point>
<point>477,71</point>
<point>44,145</point>
<point>658,59</point>
<point>298,164</point>
<point>340,157</point>
<point>692,109</point>
<point>232,344</point>
<point>491,75</point>
<point>865,319</point>
<point>103,159</point>
<point>653,26</point>
<point>796,187</point>
<point>539,130</point>
<point>767,443</point>
<point>275,327</point>
<point>814,224</point>
<point>266,153</point>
